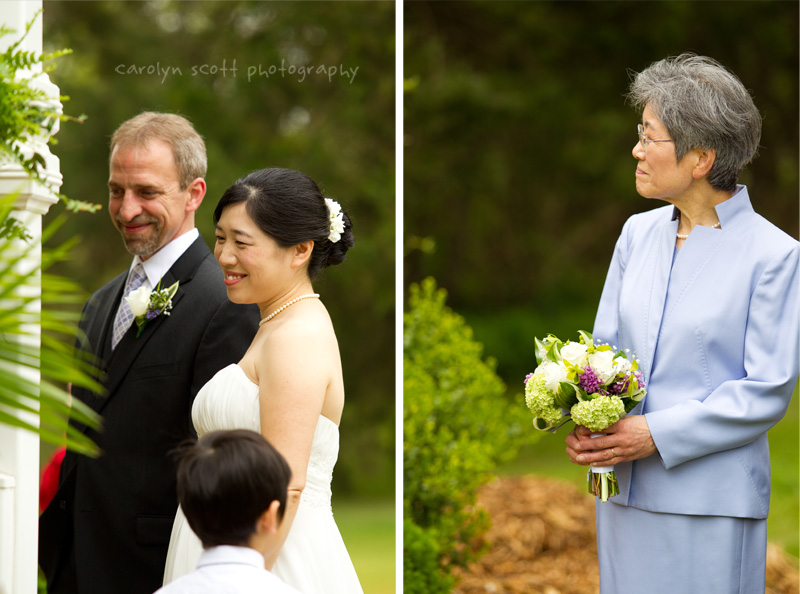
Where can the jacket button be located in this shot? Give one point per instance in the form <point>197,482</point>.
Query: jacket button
<point>63,504</point>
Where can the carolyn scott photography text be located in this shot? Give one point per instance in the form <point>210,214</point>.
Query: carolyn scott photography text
<point>252,71</point>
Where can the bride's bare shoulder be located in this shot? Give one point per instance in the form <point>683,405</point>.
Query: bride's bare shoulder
<point>304,328</point>
<point>300,344</point>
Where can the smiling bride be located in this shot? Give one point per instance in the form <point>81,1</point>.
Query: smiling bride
<point>275,232</point>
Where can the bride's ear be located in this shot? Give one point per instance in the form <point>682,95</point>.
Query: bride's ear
<point>301,253</point>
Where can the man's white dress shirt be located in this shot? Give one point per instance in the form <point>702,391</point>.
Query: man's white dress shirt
<point>157,265</point>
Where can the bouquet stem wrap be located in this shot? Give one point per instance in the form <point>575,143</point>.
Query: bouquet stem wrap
<point>602,479</point>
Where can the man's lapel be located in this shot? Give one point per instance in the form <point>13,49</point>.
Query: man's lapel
<point>98,335</point>
<point>107,311</point>
<point>122,358</point>
<point>130,345</point>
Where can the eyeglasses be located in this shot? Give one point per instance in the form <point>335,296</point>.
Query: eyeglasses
<point>644,140</point>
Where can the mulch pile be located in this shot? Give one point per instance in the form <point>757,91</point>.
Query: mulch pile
<point>543,542</point>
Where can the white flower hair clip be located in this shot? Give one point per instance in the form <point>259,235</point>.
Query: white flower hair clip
<point>336,219</point>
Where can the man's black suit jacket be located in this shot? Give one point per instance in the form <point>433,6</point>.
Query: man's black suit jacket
<point>112,516</point>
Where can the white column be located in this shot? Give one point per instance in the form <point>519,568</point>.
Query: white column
<point>19,450</point>
<point>7,531</point>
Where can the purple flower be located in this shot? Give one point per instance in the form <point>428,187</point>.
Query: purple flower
<point>152,314</point>
<point>589,381</point>
<point>527,377</point>
<point>619,386</point>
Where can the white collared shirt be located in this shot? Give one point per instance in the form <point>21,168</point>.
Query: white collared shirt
<point>157,265</point>
<point>228,570</point>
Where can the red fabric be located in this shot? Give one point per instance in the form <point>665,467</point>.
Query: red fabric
<point>49,483</point>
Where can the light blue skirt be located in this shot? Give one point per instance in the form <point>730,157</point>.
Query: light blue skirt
<point>654,553</point>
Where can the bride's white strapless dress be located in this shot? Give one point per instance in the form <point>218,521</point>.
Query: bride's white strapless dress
<point>314,558</point>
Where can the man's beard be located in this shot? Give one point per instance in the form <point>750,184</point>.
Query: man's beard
<point>142,246</point>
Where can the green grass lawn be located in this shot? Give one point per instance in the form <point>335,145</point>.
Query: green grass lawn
<point>368,531</point>
<point>547,458</point>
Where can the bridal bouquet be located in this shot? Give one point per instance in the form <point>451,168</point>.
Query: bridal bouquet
<point>593,385</point>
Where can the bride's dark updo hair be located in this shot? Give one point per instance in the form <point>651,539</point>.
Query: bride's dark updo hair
<point>289,207</point>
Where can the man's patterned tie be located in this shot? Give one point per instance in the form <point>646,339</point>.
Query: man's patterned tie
<point>124,317</point>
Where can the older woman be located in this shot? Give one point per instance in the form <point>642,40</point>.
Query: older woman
<point>705,292</point>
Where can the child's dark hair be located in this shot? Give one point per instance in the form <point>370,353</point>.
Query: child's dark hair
<point>226,481</point>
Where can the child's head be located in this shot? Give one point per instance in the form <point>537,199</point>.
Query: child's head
<point>226,483</point>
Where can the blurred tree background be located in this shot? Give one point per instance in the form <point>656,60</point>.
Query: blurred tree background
<point>339,129</point>
<point>518,168</point>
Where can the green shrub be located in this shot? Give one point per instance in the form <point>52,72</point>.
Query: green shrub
<point>421,571</point>
<point>458,425</point>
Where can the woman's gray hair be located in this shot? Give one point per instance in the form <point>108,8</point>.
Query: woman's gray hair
<point>704,106</point>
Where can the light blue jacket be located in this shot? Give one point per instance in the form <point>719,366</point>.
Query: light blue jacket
<point>716,333</point>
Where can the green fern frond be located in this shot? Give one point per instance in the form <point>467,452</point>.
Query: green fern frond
<point>27,112</point>
<point>34,379</point>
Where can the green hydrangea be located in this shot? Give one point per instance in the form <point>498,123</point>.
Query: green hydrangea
<point>541,401</point>
<point>598,413</point>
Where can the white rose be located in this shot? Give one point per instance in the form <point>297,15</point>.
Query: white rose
<point>138,300</point>
<point>622,365</point>
<point>554,374</point>
<point>603,363</point>
<point>575,353</point>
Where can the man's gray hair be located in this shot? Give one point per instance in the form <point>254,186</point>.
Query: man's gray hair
<point>188,148</point>
<point>703,106</point>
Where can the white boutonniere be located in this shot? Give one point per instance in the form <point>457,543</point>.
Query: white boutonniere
<point>147,305</point>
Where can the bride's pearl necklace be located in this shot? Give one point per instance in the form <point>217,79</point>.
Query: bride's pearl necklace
<point>287,304</point>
